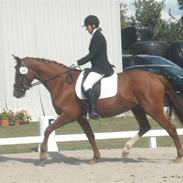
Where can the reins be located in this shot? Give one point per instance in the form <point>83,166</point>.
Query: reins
<point>46,81</point>
<point>55,77</point>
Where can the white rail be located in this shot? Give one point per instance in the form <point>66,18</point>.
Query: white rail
<point>152,134</point>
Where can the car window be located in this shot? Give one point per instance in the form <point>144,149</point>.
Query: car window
<point>129,61</point>
<point>176,71</point>
<point>140,61</point>
<point>158,60</point>
<point>132,61</point>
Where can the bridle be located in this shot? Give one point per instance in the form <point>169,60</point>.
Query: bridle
<point>27,85</point>
<point>55,77</point>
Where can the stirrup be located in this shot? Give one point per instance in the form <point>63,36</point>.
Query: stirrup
<point>93,115</point>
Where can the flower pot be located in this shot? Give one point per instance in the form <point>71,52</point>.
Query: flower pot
<point>16,123</point>
<point>4,122</point>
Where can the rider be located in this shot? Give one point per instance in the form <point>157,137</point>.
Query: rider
<point>100,65</point>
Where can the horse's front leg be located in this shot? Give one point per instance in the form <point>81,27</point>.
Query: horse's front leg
<point>60,121</point>
<point>89,133</point>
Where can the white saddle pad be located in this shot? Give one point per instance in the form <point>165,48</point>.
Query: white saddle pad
<point>108,86</point>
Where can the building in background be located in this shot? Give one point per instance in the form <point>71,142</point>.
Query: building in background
<point>50,29</point>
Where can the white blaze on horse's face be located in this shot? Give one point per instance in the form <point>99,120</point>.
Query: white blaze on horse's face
<point>23,70</point>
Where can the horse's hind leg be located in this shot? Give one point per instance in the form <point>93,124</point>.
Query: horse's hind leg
<point>89,133</point>
<point>159,116</point>
<point>144,126</point>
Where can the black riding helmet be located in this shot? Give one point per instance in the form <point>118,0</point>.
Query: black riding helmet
<point>91,19</point>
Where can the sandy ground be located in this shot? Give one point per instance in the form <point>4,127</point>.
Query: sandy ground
<point>143,165</point>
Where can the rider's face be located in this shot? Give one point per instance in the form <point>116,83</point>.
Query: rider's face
<point>90,28</point>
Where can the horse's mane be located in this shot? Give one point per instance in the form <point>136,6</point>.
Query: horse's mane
<point>47,61</point>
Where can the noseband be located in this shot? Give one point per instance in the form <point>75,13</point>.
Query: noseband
<point>25,86</point>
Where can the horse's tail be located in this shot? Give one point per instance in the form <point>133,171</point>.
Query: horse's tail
<point>175,101</point>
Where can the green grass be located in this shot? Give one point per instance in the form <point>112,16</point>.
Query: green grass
<point>102,125</point>
<point>32,129</point>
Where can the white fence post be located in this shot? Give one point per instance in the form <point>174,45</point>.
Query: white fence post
<point>152,142</point>
<point>44,122</point>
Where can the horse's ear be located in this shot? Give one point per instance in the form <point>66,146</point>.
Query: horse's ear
<point>17,59</point>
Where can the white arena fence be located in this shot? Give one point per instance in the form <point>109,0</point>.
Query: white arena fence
<point>52,146</point>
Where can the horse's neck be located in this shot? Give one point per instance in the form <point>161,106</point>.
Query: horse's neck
<point>45,69</point>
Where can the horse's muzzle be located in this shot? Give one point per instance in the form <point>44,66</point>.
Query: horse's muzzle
<point>18,93</point>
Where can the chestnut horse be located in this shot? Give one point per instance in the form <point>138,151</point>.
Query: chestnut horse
<point>141,92</point>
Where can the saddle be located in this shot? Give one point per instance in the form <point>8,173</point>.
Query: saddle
<point>104,88</point>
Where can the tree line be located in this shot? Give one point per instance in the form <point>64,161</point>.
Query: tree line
<point>148,13</point>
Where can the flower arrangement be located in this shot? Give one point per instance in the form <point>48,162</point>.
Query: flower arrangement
<point>11,117</point>
<point>4,118</point>
<point>4,114</point>
<point>22,117</point>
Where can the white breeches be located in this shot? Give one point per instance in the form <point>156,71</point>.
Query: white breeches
<point>91,79</point>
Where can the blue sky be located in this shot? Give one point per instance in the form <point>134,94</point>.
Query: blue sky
<point>170,4</point>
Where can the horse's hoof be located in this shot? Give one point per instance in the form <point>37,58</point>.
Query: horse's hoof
<point>93,161</point>
<point>178,160</point>
<point>43,156</point>
<point>125,154</point>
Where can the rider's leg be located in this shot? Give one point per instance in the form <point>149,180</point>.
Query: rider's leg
<point>91,79</point>
<point>92,104</point>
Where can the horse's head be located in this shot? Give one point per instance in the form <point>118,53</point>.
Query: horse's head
<point>23,78</point>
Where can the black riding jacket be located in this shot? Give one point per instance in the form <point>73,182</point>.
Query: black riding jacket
<point>98,55</point>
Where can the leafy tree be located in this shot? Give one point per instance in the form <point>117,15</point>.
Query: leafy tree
<point>170,31</point>
<point>180,3</point>
<point>123,17</point>
<point>148,12</point>
<point>125,20</point>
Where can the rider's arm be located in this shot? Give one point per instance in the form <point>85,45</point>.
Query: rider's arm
<point>94,50</point>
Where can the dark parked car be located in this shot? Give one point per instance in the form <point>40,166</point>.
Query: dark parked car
<point>156,64</point>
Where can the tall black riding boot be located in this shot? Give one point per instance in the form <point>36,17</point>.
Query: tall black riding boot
<point>92,104</point>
